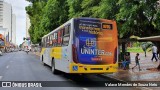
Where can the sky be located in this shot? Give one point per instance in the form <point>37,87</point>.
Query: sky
<point>18,7</point>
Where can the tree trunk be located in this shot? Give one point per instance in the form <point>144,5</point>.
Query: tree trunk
<point>158,67</point>
<point>123,47</point>
<point>158,46</point>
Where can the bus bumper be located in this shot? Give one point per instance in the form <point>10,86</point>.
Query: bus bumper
<point>83,68</point>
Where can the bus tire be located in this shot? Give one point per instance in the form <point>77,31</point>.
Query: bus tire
<point>54,71</point>
<point>43,62</point>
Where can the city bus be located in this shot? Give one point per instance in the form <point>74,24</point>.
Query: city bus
<point>2,43</point>
<point>82,45</point>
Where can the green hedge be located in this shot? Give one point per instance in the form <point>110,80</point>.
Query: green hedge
<point>135,49</point>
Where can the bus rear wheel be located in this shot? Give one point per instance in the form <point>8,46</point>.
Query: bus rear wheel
<point>54,71</point>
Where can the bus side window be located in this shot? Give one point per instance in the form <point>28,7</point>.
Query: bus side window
<point>52,39</point>
<point>55,39</point>
<point>45,44</point>
<point>59,37</point>
<point>66,35</point>
<point>46,38</point>
<point>50,42</point>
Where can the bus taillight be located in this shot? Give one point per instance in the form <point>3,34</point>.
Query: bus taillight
<point>115,56</point>
<point>74,53</point>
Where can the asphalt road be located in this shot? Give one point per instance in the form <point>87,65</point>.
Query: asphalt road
<point>19,66</point>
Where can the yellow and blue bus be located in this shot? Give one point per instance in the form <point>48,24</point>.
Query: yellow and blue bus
<point>82,45</point>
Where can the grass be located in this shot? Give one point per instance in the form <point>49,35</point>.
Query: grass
<point>135,49</point>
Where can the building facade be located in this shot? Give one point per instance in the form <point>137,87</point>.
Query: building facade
<point>13,28</point>
<point>7,22</point>
<point>1,13</point>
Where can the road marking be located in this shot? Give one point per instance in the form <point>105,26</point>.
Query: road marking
<point>7,66</point>
<point>85,89</point>
<point>1,77</point>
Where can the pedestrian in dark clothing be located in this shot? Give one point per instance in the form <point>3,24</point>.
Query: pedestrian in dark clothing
<point>154,52</point>
<point>137,61</point>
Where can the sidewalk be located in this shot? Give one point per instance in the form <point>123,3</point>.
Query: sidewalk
<point>135,74</point>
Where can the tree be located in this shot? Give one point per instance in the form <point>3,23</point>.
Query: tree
<point>35,12</point>
<point>75,8</point>
<point>55,14</point>
<point>107,9</point>
<point>90,8</point>
<point>137,17</point>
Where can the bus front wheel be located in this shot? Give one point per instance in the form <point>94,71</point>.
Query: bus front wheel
<point>54,71</point>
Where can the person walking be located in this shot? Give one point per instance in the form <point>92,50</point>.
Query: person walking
<point>137,61</point>
<point>144,48</point>
<point>154,52</point>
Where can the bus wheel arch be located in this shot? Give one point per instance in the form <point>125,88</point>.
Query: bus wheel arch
<point>54,71</point>
<point>42,58</point>
<point>43,61</point>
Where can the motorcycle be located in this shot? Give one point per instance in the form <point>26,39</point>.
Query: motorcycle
<point>27,51</point>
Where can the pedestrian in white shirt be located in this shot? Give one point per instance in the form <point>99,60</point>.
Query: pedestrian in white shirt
<point>154,52</point>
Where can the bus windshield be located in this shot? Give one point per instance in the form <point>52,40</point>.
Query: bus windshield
<point>95,41</point>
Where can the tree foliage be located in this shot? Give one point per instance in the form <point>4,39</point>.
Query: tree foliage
<point>134,17</point>
<point>137,17</point>
<point>35,12</point>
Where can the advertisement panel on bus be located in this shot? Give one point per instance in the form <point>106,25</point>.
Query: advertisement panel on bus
<point>95,41</point>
